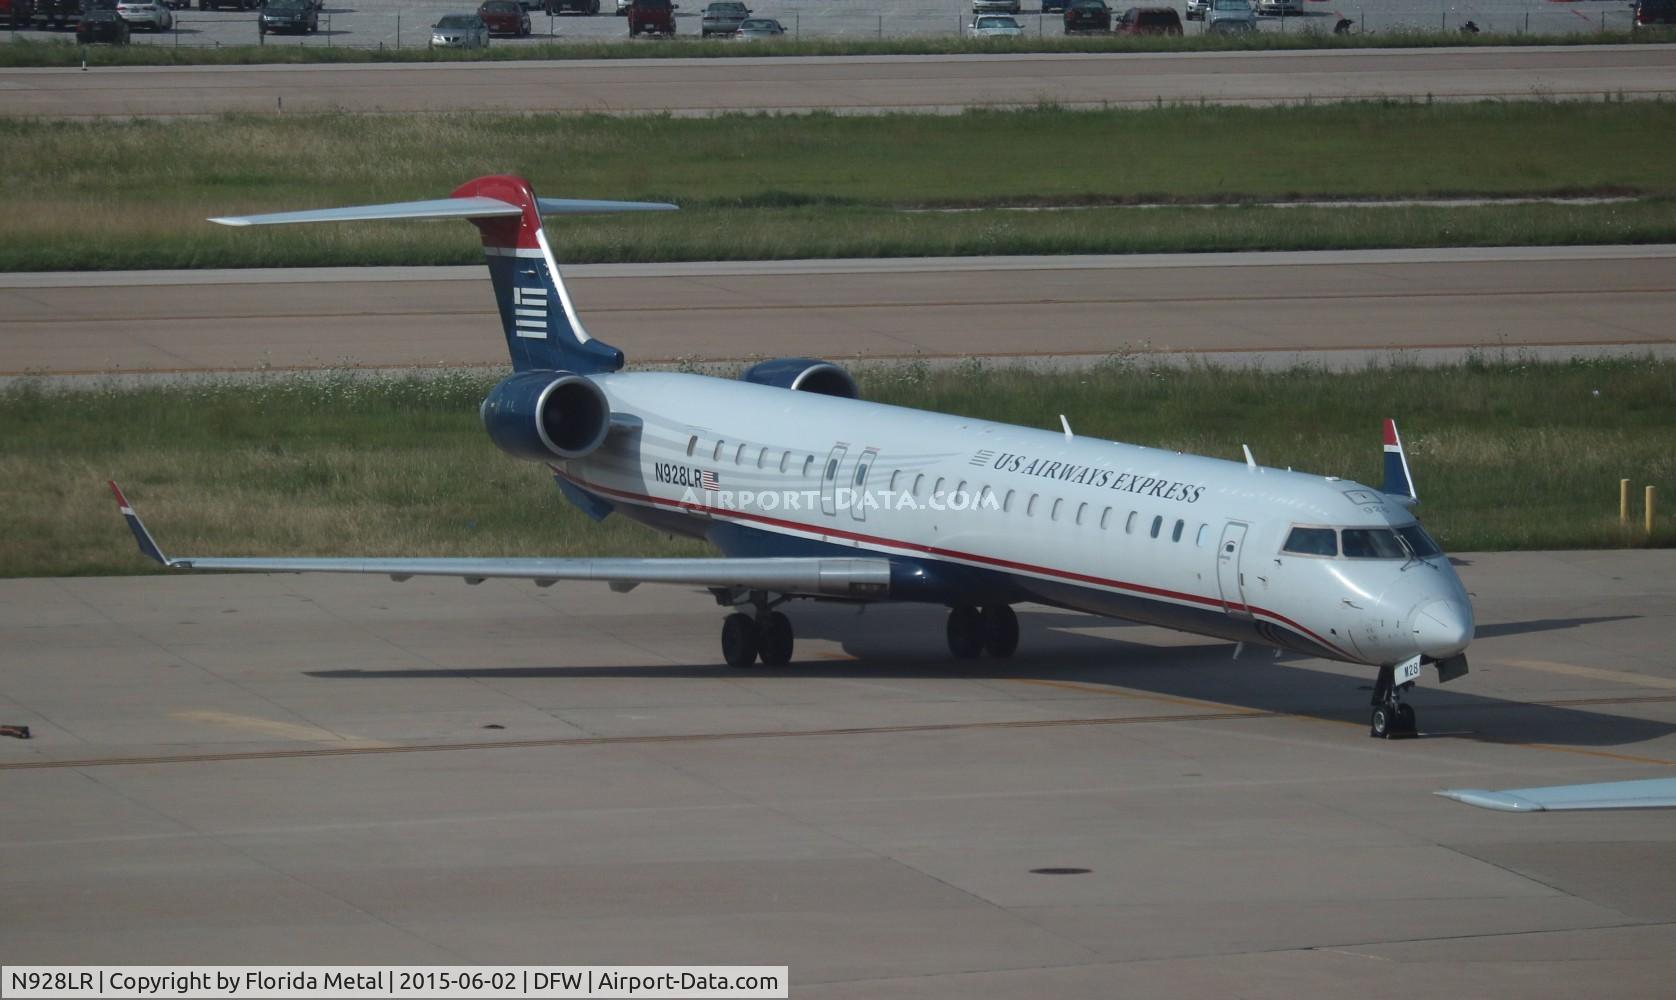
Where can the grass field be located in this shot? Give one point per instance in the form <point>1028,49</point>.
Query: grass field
<point>62,52</point>
<point>826,185</point>
<point>1506,454</point>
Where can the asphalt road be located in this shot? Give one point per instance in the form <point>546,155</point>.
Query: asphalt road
<point>292,770</point>
<point>191,321</point>
<point>862,83</point>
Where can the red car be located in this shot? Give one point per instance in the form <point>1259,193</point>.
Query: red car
<point>651,17</point>
<point>1148,21</point>
<point>505,17</point>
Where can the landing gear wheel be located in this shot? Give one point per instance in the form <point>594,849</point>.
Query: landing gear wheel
<point>1384,720</point>
<point>1405,720</point>
<point>965,632</point>
<point>739,640</point>
<point>774,639</point>
<point>1000,630</point>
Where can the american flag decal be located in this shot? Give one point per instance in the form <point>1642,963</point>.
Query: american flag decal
<point>707,480</point>
<point>982,457</point>
<point>529,312</point>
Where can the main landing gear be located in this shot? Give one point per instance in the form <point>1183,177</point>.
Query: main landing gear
<point>766,636</point>
<point>1393,718</point>
<point>993,630</point>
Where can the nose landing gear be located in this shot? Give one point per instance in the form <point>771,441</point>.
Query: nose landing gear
<point>1393,719</point>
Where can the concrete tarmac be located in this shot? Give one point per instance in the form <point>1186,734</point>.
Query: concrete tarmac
<point>1333,301</point>
<point>289,770</point>
<point>864,84</point>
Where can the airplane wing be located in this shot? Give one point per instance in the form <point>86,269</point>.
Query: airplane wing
<point>851,578</point>
<point>1654,793</point>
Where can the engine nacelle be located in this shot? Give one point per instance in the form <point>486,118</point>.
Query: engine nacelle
<point>546,415</point>
<point>804,375</point>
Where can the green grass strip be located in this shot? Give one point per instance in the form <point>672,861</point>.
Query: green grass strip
<point>758,186</point>
<point>64,52</point>
<point>1507,454</point>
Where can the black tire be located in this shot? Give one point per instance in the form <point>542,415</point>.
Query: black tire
<point>1000,630</point>
<point>1405,723</point>
<point>1384,719</point>
<point>739,640</point>
<point>774,639</point>
<point>965,632</point>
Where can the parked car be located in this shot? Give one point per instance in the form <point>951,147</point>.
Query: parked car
<point>60,13</point>
<point>235,4</point>
<point>1654,12</point>
<point>995,7</point>
<point>1055,6</point>
<point>17,13</point>
<point>1088,15</point>
<point>102,26</point>
<point>651,17</point>
<point>1196,9</point>
<point>585,7</point>
<point>1149,21</point>
<point>996,26</point>
<point>297,16</point>
<point>458,31</point>
<point>1279,8</point>
<point>723,17</point>
<point>1230,17</point>
<point>758,28</point>
<point>145,13</point>
<point>505,17</point>
<point>623,7</point>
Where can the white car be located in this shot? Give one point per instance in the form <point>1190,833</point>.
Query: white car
<point>460,31</point>
<point>1230,17</point>
<point>994,7</point>
<point>1196,9</point>
<point>996,26</point>
<point>1275,8</point>
<point>145,13</point>
<point>756,28</point>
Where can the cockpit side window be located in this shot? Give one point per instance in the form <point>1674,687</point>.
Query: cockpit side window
<point>1418,541</point>
<point>1312,542</point>
<point>1372,543</point>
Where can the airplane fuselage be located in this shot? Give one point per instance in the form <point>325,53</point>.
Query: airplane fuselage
<point>978,511</point>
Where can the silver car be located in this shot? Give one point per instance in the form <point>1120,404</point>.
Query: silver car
<point>995,6</point>
<point>145,13</point>
<point>996,26</point>
<point>723,17</point>
<point>460,31</point>
<point>1230,17</point>
<point>754,28</point>
<point>1196,9</point>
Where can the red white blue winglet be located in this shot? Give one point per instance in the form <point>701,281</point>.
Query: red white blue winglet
<point>141,535</point>
<point>1398,483</point>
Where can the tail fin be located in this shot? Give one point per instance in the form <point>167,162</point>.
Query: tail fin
<point>542,329</point>
<point>1398,483</point>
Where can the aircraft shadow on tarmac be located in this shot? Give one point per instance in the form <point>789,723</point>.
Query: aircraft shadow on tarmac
<point>907,643</point>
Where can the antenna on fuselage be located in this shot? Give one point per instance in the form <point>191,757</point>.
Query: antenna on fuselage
<point>1250,463</point>
<point>1065,424</point>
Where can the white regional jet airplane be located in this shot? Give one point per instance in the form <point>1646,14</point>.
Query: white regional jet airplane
<point>811,492</point>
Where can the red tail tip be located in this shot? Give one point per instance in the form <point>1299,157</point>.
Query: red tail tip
<point>1390,431</point>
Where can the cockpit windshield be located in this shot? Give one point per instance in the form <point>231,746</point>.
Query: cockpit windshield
<point>1407,542</point>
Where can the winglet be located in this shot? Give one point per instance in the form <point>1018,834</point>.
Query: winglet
<point>1398,482</point>
<point>142,536</point>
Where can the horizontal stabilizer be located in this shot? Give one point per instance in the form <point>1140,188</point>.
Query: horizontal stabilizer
<point>443,208</point>
<point>1653,793</point>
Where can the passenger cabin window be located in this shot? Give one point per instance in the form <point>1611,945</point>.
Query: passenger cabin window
<point>739,455</point>
<point>1419,542</point>
<point>832,468</point>
<point>692,443</point>
<point>716,456</point>
<point>1372,543</point>
<point>919,481</point>
<point>1204,529</point>
<point>1312,542</point>
<point>1030,508</point>
<point>1105,518</point>
<point>1054,513</point>
<point>1157,523</point>
<point>762,456</point>
<point>1175,536</point>
<point>785,457</point>
<point>860,473</point>
<point>807,463</point>
<point>1007,503</point>
<point>1082,509</point>
<point>1129,524</point>
<point>894,476</point>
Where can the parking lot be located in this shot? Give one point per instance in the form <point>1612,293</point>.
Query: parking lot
<point>398,24</point>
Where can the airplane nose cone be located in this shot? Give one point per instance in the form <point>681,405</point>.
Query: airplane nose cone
<point>1442,628</point>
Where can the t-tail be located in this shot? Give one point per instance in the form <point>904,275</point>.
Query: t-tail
<point>1398,483</point>
<point>543,332</point>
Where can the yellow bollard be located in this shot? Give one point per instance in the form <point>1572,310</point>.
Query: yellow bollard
<point>1652,495</point>
<point>1623,502</point>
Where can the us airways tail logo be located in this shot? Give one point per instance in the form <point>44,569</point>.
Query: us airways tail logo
<point>529,312</point>
<point>1094,475</point>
